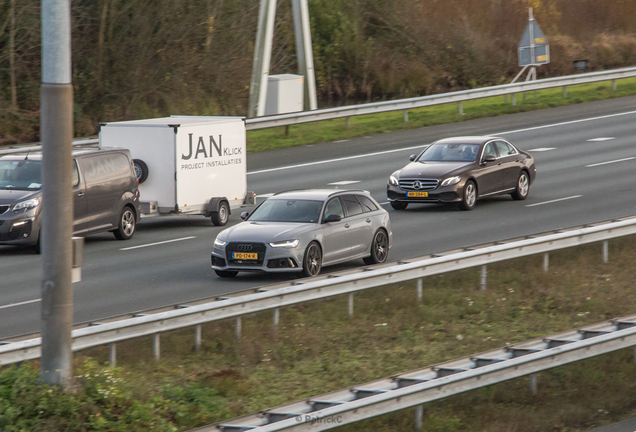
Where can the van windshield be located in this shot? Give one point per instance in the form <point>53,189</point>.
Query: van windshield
<point>20,174</point>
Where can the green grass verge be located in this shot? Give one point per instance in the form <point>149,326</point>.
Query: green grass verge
<point>325,131</point>
<point>318,349</point>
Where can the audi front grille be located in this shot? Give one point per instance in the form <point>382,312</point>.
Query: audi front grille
<point>424,184</point>
<point>245,247</point>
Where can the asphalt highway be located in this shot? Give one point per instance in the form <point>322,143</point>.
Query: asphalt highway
<point>585,156</point>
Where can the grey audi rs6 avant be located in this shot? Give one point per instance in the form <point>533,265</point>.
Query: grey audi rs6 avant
<point>462,170</point>
<point>302,231</point>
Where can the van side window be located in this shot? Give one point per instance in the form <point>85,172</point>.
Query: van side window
<point>104,168</point>
<point>75,173</point>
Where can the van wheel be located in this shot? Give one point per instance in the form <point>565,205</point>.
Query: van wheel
<point>127,223</point>
<point>226,273</point>
<point>141,170</point>
<point>220,217</point>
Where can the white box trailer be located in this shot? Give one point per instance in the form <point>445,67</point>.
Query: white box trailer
<point>186,165</point>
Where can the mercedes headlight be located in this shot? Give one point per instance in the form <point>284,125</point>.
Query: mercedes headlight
<point>219,242</point>
<point>285,244</point>
<point>393,180</point>
<point>26,205</point>
<point>451,181</point>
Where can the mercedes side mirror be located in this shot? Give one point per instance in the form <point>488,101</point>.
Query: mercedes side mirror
<point>489,158</point>
<point>244,215</point>
<point>333,218</point>
<point>412,157</point>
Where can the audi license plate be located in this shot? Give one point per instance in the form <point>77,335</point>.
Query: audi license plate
<point>417,194</point>
<point>244,256</point>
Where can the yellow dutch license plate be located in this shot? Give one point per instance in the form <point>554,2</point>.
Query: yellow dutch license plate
<point>417,194</point>
<point>244,256</point>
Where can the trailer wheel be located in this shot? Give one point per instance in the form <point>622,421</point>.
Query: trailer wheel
<point>221,216</point>
<point>141,170</point>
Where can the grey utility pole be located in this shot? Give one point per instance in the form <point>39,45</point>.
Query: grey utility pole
<point>56,131</point>
<point>263,55</point>
<point>304,53</point>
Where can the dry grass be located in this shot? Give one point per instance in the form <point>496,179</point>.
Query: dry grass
<point>319,349</point>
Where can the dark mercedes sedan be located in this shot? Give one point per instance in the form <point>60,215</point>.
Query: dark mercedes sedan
<point>462,170</point>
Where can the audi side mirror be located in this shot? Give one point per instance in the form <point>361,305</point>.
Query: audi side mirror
<point>333,218</point>
<point>244,215</point>
<point>412,157</point>
<point>489,158</point>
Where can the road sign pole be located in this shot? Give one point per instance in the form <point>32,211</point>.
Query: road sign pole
<point>56,129</point>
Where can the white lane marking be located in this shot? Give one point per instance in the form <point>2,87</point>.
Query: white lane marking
<point>423,144</point>
<point>267,195</point>
<point>344,182</point>
<point>158,243</point>
<point>601,139</point>
<point>341,141</point>
<point>542,149</point>
<point>610,162</point>
<point>336,160</point>
<point>20,303</point>
<point>565,123</point>
<point>554,200</point>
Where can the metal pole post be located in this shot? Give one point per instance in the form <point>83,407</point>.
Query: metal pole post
<point>613,85</point>
<point>635,354</point>
<point>533,384</point>
<point>350,305</point>
<point>112,354</point>
<point>156,346</point>
<point>419,284</point>
<point>197,337</point>
<point>406,116</point>
<point>605,251</point>
<point>461,108</point>
<point>514,99</point>
<point>484,277</point>
<point>262,58</point>
<point>419,411</point>
<point>347,122</point>
<point>546,261</point>
<point>56,132</point>
<point>276,318</point>
<point>565,91</point>
<point>304,53</point>
<point>238,327</point>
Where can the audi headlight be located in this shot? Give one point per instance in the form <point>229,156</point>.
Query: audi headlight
<point>451,181</point>
<point>26,205</point>
<point>285,244</point>
<point>393,180</point>
<point>219,242</point>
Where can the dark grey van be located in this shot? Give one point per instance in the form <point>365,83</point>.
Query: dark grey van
<point>105,195</point>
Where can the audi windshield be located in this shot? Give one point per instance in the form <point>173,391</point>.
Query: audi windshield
<point>20,174</point>
<point>447,152</point>
<point>279,210</point>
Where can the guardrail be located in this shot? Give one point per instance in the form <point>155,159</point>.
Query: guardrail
<point>272,298</point>
<point>406,104</point>
<point>423,101</point>
<point>416,387</point>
